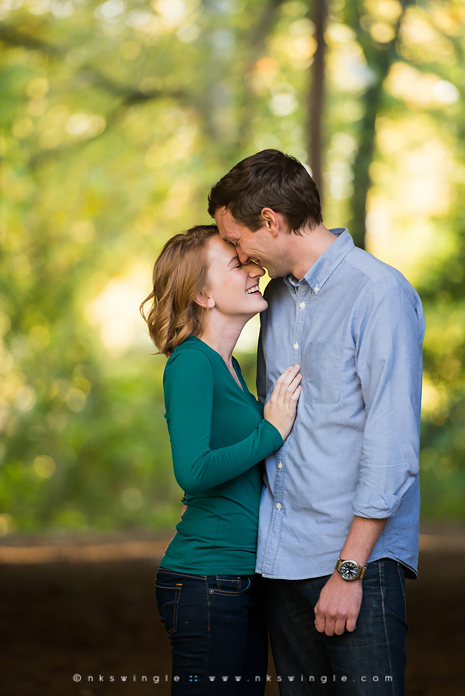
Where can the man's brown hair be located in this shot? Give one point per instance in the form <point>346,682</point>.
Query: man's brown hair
<point>268,179</point>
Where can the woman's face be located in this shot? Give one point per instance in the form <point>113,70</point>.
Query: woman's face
<point>232,287</point>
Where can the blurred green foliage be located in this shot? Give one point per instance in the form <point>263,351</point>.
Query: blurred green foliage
<point>116,118</point>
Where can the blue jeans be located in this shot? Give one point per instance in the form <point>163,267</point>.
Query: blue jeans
<point>370,661</point>
<point>217,628</point>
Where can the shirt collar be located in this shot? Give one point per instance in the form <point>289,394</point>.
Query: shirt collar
<point>326,264</point>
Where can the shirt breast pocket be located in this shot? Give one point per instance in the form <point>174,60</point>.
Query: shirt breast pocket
<point>322,377</point>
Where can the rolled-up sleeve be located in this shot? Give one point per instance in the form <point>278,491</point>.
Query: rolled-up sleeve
<point>389,329</point>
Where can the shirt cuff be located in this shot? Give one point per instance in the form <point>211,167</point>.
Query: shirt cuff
<point>375,505</point>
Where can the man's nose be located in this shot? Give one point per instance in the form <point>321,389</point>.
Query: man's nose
<point>243,258</point>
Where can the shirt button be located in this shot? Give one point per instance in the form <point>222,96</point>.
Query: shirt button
<point>280,465</point>
<point>296,346</point>
<point>278,506</point>
<point>316,288</point>
<point>302,305</point>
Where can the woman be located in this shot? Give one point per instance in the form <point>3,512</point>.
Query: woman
<point>207,593</point>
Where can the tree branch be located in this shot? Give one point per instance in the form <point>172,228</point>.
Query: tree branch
<point>128,94</point>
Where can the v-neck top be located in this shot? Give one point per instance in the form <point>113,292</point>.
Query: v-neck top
<point>218,441</point>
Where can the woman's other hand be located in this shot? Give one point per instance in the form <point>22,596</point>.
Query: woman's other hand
<point>281,408</point>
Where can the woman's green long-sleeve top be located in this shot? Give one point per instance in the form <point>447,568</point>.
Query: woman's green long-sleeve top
<point>218,440</point>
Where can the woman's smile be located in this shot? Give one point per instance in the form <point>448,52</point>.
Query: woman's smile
<point>253,290</point>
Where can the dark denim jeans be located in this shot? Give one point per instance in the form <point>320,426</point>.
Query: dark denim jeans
<point>370,661</point>
<point>217,628</point>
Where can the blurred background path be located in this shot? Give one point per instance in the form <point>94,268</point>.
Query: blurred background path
<point>85,605</point>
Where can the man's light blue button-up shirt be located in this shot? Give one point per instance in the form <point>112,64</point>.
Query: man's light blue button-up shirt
<point>355,325</point>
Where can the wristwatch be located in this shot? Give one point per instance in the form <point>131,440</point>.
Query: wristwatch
<point>350,570</point>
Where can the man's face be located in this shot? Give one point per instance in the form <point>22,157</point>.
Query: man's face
<point>260,246</point>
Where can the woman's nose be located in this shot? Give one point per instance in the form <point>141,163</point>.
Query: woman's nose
<point>254,270</point>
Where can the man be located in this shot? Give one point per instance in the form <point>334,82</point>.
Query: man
<point>340,507</point>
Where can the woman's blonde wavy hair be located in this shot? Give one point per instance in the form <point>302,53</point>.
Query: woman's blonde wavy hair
<point>179,275</point>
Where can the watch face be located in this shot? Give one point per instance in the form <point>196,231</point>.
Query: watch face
<point>349,570</point>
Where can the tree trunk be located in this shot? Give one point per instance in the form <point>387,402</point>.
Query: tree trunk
<point>379,58</point>
<point>316,94</point>
<point>361,167</point>
<point>257,43</point>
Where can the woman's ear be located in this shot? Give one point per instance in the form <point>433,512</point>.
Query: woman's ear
<point>204,300</point>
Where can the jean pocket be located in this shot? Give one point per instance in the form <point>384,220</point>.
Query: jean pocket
<point>168,598</point>
<point>322,373</point>
<point>229,584</point>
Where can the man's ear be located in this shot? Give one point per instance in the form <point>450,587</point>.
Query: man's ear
<point>204,300</point>
<point>270,221</point>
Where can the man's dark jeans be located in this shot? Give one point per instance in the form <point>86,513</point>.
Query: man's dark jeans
<point>217,629</point>
<point>370,661</point>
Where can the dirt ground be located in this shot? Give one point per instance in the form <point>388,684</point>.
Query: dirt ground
<point>86,607</point>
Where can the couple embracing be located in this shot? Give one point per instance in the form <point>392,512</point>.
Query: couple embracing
<point>302,508</point>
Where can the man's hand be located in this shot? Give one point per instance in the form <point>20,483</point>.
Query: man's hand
<point>338,606</point>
